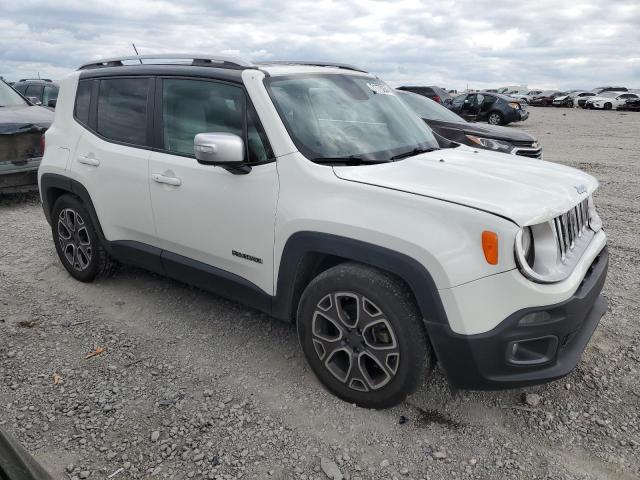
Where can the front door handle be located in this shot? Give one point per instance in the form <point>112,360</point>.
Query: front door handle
<point>158,177</point>
<point>94,162</point>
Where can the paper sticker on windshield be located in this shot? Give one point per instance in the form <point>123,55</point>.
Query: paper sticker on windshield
<point>380,88</point>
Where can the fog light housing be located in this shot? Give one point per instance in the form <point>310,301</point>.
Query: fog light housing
<point>532,351</point>
<point>535,318</point>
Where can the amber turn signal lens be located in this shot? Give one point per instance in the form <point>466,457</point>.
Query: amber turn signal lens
<point>490,247</point>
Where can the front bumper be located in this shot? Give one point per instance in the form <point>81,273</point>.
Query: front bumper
<point>515,354</point>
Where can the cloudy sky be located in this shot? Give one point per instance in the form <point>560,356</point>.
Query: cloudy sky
<point>482,43</point>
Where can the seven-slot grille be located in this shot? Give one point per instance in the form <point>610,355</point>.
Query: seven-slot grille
<point>570,226</point>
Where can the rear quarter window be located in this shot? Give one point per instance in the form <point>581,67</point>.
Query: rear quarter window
<point>83,100</point>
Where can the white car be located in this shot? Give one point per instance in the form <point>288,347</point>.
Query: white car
<point>609,100</point>
<point>525,96</point>
<point>572,99</point>
<point>313,193</point>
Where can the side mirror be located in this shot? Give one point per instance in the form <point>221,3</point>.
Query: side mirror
<point>52,103</point>
<point>34,100</point>
<point>222,149</point>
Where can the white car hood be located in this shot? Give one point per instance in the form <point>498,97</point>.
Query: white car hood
<point>526,191</point>
<point>596,98</point>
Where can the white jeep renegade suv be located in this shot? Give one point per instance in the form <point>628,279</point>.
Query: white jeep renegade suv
<point>313,193</point>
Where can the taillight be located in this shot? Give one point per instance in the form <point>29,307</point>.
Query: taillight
<point>42,145</point>
<point>437,98</point>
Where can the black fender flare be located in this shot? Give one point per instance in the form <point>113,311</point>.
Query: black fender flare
<point>52,182</point>
<point>408,269</point>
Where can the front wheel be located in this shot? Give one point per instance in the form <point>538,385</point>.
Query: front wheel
<point>607,106</point>
<point>363,335</point>
<point>495,118</point>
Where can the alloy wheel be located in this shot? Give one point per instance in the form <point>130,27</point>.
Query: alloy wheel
<point>494,119</point>
<point>74,239</point>
<point>355,341</point>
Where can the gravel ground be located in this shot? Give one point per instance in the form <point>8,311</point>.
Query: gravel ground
<point>192,386</point>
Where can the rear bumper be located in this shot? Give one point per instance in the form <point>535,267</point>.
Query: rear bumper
<point>515,353</point>
<point>19,180</point>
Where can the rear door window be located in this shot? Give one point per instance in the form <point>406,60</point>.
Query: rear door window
<point>122,110</point>
<point>34,91</point>
<point>50,93</point>
<point>459,100</point>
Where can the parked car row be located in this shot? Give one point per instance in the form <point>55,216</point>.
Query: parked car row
<point>450,127</point>
<point>605,98</point>
<point>491,107</point>
<point>610,100</point>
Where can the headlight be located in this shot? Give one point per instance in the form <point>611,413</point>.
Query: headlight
<point>491,144</point>
<point>514,105</point>
<point>524,246</point>
<point>595,222</point>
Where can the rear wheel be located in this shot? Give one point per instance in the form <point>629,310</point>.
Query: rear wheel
<point>495,118</point>
<point>363,336</point>
<point>77,242</point>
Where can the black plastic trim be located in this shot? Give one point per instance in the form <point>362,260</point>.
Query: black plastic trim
<point>137,254</point>
<point>215,280</point>
<point>212,73</point>
<point>408,269</point>
<point>480,362</point>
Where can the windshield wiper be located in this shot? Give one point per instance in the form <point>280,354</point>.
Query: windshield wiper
<point>411,153</point>
<point>350,160</point>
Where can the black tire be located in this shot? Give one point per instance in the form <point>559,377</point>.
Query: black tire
<point>387,327</point>
<point>608,106</point>
<point>569,104</point>
<point>495,118</point>
<point>77,243</point>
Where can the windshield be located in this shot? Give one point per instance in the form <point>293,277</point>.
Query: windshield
<point>428,109</point>
<point>9,97</point>
<point>333,116</point>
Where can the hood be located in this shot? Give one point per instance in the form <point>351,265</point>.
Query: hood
<point>597,98</point>
<point>561,97</point>
<point>497,132</point>
<point>528,191</point>
<point>24,118</point>
<point>485,130</point>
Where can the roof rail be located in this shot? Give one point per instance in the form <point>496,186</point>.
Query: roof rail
<point>31,79</point>
<point>223,61</point>
<point>345,66</point>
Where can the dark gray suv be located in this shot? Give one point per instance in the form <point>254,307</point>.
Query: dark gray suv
<point>40,91</point>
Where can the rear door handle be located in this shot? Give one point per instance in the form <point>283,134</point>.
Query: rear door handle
<point>94,162</point>
<point>158,177</point>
